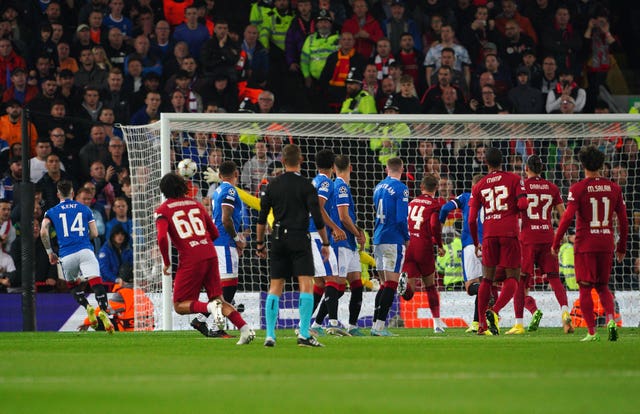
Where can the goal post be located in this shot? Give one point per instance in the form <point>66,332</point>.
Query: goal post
<point>446,144</point>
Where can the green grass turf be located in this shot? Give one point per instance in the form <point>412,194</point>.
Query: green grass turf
<point>183,372</point>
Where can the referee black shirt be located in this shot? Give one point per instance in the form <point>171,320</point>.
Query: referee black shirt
<point>292,198</point>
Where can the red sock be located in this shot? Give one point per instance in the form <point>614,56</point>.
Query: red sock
<point>606,298</point>
<point>391,285</point>
<point>518,299</point>
<point>236,319</point>
<point>509,287</point>
<point>198,307</point>
<point>95,281</point>
<point>483,301</point>
<point>317,290</point>
<point>434,301</point>
<point>408,294</point>
<point>355,284</point>
<point>559,290</point>
<point>530,304</point>
<point>586,306</point>
<point>495,292</point>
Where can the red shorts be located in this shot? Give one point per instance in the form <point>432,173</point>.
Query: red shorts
<point>192,277</point>
<point>593,267</point>
<point>501,251</point>
<point>540,255</point>
<point>419,260</point>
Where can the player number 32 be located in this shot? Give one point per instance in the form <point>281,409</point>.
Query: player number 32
<point>495,197</point>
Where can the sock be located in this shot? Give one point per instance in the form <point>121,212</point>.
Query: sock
<point>386,299</point>
<point>509,287</point>
<point>378,325</point>
<point>305,304</point>
<point>331,297</point>
<point>473,289</point>
<point>483,302</point>
<point>518,321</point>
<point>606,298</point>
<point>322,312</point>
<point>475,310</point>
<point>355,302</point>
<point>495,292</point>
<point>271,313</point>
<point>198,307</point>
<point>228,292</point>
<point>236,319</point>
<point>530,304</point>
<point>317,296</point>
<point>434,301</point>
<point>376,303</point>
<point>79,296</point>
<point>408,294</point>
<point>518,299</point>
<point>586,306</point>
<point>564,309</point>
<point>101,296</point>
<point>559,290</point>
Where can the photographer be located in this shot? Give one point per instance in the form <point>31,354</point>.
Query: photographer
<point>566,88</point>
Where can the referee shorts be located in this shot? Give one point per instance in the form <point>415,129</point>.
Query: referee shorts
<point>291,255</point>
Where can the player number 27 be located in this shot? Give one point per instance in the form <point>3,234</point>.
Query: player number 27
<point>189,225</point>
<point>535,200</point>
<point>495,197</point>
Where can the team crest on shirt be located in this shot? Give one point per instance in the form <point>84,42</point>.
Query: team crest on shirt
<point>232,192</point>
<point>405,193</point>
<point>570,196</point>
<point>343,190</point>
<point>324,186</point>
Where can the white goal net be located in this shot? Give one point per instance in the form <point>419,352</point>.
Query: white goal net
<point>451,146</point>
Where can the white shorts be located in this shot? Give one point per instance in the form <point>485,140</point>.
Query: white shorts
<point>83,262</point>
<point>348,261</point>
<point>322,269</point>
<point>471,264</point>
<point>389,257</point>
<point>227,262</point>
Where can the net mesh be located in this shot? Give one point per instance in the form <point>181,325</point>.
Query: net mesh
<point>452,147</point>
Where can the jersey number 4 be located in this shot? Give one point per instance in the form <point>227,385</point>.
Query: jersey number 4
<point>188,224</point>
<point>415,214</point>
<point>495,198</point>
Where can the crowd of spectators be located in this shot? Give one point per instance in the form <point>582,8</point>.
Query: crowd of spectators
<point>80,67</point>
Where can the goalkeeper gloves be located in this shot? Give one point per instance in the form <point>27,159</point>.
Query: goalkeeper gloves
<point>211,176</point>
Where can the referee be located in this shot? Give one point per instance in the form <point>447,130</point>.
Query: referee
<point>292,198</point>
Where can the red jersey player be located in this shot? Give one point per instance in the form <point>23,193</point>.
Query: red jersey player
<point>501,194</point>
<point>192,233</point>
<point>424,229</point>
<point>536,237</point>
<point>593,201</point>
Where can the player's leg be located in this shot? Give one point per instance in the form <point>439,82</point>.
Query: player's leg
<point>323,272</point>
<point>550,266</point>
<point>586,278</point>
<point>88,265</point>
<point>302,264</point>
<point>271,308</point>
<point>355,302</point>
<point>318,291</point>
<point>605,263</point>
<point>510,259</point>
<point>472,273</point>
<point>393,257</point>
<point>489,263</point>
<point>434,302</point>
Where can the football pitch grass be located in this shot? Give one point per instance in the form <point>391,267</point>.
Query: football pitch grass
<point>416,372</point>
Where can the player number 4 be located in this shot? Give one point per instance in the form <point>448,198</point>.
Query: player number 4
<point>380,212</point>
<point>193,224</point>
<point>416,215</point>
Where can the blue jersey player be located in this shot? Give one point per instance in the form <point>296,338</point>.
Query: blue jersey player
<point>227,211</point>
<point>75,227</point>
<point>326,278</point>
<point>349,267</point>
<point>390,238</point>
<point>471,264</point>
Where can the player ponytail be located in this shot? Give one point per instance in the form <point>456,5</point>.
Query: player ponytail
<point>173,186</point>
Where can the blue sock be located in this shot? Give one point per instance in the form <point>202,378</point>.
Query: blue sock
<point>306,309</point>
<point>271,313</point>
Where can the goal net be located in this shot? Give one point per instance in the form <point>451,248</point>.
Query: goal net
<point>450,146</point>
